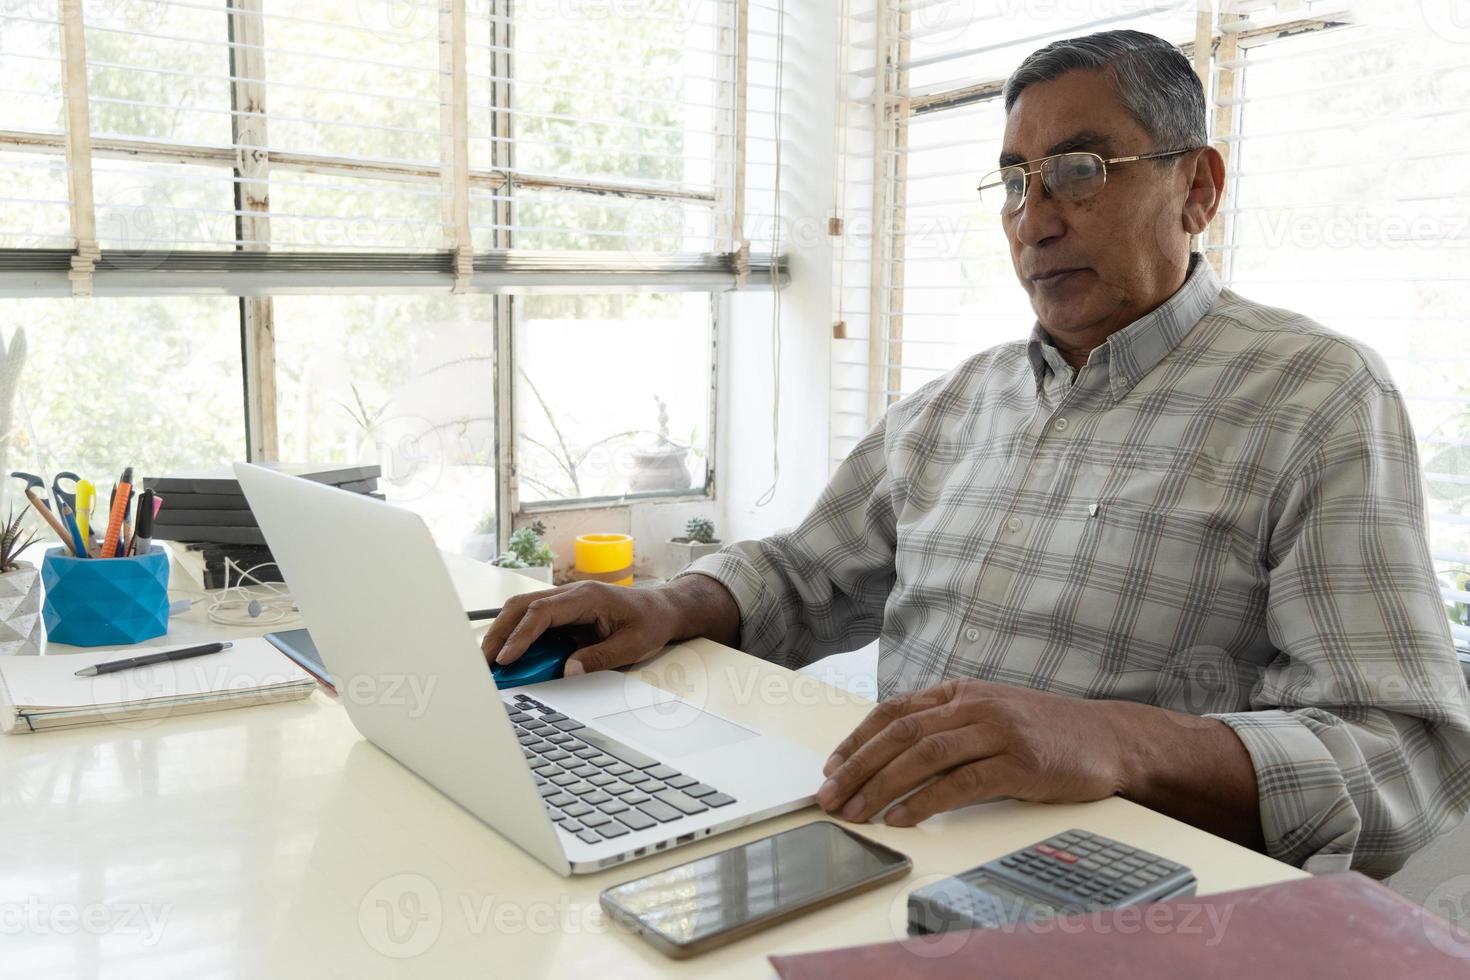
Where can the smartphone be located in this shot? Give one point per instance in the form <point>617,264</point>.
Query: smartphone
<point>713,900</point>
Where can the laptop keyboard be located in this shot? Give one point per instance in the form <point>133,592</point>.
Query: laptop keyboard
<point>595,787</point>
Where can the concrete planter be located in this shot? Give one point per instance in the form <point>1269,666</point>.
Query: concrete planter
<point>20,611</point>
<point>659,468</point>
<point>541,573</point>
<point>681,551</point>
<point>480,547</point>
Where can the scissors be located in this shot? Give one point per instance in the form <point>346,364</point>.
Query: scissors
<point>79,499</point>
<point>51,513</point>
<point>67,497</point>
<point>33,482</point>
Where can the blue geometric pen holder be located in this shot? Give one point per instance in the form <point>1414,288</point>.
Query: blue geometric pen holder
<point>93,602</point>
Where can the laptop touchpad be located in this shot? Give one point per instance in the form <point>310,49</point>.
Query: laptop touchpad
<point>673,728</point>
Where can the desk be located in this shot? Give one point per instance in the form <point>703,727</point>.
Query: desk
<point>274,841</point>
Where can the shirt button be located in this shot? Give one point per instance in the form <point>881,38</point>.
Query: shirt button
<point>1014,524</point>
<point>972,634</point>
<point>1060,425</point>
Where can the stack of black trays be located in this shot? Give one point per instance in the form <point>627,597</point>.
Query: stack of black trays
<point>207,512</point>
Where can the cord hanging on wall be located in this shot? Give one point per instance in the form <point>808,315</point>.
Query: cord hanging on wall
<point>770,493</point>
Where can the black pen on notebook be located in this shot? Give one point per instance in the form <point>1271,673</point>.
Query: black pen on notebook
<point>153,658</point>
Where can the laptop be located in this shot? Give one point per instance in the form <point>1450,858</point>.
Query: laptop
<point>582,772</point>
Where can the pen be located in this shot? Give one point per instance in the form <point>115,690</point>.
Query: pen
<point>112,666</point>
<point>143,530</point>
<point>125,539</point>
<point>120,496</point>
<point>69,517</point>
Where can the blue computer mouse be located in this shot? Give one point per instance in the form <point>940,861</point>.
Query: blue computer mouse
<point>543,660</point>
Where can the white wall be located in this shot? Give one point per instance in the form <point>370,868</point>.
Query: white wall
<point>807,178</point>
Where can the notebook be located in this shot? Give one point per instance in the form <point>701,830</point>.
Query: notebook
<point>38,693</point>
<point>1343,925</point>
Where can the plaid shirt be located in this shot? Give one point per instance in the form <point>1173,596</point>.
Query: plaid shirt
<point>1220,514</point>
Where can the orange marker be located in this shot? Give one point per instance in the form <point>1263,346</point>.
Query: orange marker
<point>120,495</point>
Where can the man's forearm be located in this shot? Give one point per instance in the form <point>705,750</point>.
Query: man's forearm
<point>1191,768</point>
<point>703,607</point>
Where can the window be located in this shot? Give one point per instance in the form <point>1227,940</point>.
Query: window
<point>374,180</point>
<point>33,201</point>
<point>150,382</point>
<point>588,426</point>
<point>1346,138</point>
<point>158,72</point>
<point>404,382</point>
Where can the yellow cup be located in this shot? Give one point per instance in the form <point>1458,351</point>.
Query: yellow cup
<point>604,558</point>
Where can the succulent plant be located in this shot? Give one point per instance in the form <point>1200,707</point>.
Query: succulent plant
<point>700,530</point>
<point>527,550</point>
<point>13,541</point>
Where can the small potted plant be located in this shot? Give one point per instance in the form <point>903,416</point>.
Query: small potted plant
<point>528,554</point>
<point>20,598</point>
<point>698,540</point>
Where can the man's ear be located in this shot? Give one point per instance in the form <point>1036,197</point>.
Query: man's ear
<point>1206,176</point>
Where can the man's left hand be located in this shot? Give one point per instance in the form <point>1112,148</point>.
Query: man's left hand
<point>982,741</point>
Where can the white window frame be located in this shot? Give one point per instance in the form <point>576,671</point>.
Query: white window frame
<point>526,511</point>
<point>256,275</point>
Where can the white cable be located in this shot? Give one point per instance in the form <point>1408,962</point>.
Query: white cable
<point>770,493</point>
<point>237,605</point>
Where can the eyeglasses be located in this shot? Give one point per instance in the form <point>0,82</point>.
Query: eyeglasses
<point>1067,176</point>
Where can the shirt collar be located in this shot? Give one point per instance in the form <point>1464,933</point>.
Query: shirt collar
<point>1132,352</point>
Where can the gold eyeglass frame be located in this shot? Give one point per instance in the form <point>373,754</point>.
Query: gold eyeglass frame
<point>1039,167</point>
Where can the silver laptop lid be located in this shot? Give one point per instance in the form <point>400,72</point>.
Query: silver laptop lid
<point>385,616</point>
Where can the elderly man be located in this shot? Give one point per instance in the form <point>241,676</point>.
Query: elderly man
<point>1171,547</point>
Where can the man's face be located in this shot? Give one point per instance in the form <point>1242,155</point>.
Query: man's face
<point>1093,266</point>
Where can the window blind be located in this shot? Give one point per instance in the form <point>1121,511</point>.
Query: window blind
<point>392,127</point>
<point>855,275</point>
<point>765,114</point>
<point>33,201</point>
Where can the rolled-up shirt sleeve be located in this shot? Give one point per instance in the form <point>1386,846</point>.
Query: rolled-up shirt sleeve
<point>1359,730</point>
<point>821,587</point>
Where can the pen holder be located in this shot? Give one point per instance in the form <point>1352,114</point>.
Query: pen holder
<point>92,602</point>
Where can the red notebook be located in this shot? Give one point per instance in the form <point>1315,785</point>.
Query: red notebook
<point>1338,925</point>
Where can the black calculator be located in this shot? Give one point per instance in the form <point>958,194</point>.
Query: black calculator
<point>1072,872</point>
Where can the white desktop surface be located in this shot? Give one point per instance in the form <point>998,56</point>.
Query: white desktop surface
<point>274,841</point>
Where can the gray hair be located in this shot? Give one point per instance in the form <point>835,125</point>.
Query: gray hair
<point>1154,80</point>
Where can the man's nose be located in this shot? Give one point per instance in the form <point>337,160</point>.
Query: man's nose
<point>1039,218</point>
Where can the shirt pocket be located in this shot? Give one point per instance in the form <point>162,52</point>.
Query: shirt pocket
<point>1158,584</point>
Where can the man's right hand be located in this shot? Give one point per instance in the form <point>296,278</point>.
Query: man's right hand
<point>626,625</point>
